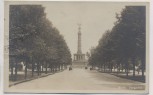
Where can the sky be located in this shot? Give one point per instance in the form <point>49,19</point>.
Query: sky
<point>95,18</point>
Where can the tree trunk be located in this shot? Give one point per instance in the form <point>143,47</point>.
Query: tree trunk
<point>16,67</point>
<point>111,67</point>
<point>46,67</point>
<point>56,68</point>
<point>38,69</point>
<point>114,68</point>
<point>42,68</point>
<point>65,66</point>
<point>127,69</point>
<point>59,67</point>
<point>104,67</point>
<point>117,68</point>
<point>32,69</point>
<point>133,62</point>
<point>51,67</point>
<point>25,76</point>
<point>143,65</point>
<point>122,67</point>
<point>11,77</point>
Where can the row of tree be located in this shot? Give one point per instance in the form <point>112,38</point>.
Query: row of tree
<point>34,41</point>
<point>124,46</point>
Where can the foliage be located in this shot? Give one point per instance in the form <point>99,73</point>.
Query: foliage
<point>33,39</point>
<point>125,43</point>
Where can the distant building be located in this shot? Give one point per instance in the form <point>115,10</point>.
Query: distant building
<point>79,59</point>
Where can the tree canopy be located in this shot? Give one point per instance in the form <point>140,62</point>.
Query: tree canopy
<point>33,38</point>
<point>125,43</point>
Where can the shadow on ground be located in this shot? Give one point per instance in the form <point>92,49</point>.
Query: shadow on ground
<point>138,78</point>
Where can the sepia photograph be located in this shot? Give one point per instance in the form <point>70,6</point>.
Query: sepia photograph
<point>76,47</point>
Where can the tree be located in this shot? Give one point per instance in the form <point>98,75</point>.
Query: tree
<point>125,43</point>
<point>34,41</point>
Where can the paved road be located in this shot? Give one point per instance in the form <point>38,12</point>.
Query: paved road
<point>78,79</point>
